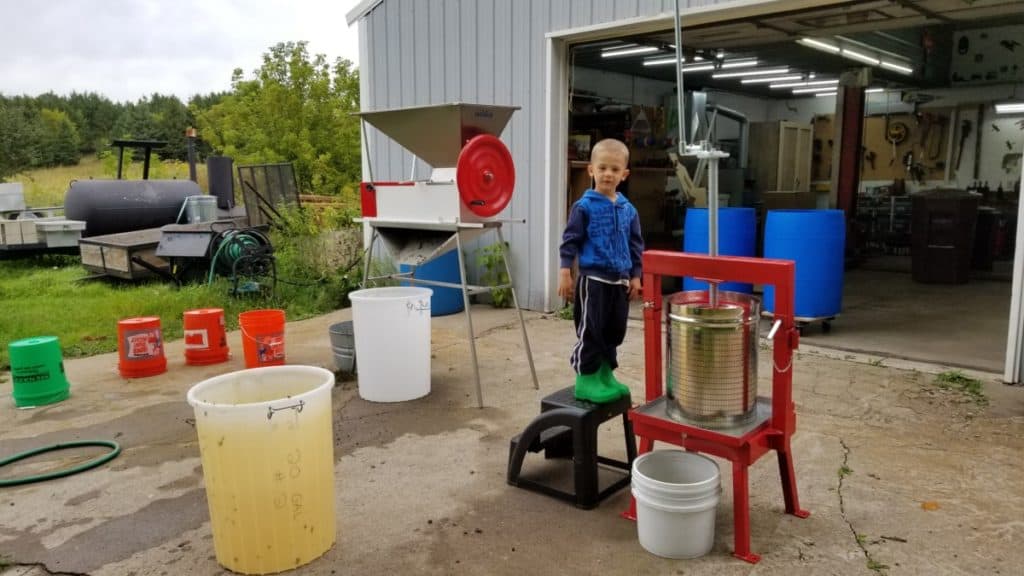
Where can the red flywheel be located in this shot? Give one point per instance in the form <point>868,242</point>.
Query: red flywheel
<point>485,175</point>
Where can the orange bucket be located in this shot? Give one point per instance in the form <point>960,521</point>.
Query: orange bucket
<point>262,337</point>
<point>140,345</point>
<point>205,341</point>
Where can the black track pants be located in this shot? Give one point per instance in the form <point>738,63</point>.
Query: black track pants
<point>600,310</point>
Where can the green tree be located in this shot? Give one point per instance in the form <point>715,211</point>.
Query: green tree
<point>20,133</point>
<point>94,115</point>
<point>60,141</point>
<point>157,117</point>
<point>296,109</point>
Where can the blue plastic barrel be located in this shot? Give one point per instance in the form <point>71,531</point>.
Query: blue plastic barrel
<point>816,241</point>
<point>737,236</point>
<point>444,268</point>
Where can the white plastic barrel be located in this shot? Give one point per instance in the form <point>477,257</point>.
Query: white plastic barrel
<point>392,336</point>
<point>677,496</point>
<point>267,448</point>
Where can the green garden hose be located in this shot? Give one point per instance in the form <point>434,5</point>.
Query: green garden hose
<point>232,246</point>
<point>115,449</point>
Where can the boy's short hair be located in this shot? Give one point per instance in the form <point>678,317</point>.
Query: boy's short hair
<point>610,145</point>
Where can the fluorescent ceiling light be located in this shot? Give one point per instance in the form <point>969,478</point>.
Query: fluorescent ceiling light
<point>811,83</point>
<point>762,72</point>
<point>663,60</point>
<point>739,63</point>
<point>628,51</point>
<point>813,89</point>
<point>874,90</point>
<point>820,94</point>
<point>897,67</point>
<point>819,45</point>
<point>757,80</point>
<point>698,68</point>
<point>854,55</point>
<point>1010,108</point>
<point>660,61</point>
<point>871,55</point>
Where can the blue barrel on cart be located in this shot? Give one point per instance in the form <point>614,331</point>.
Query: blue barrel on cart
<point>816,241</point>
<point>737,236</point>
<point>444,268</point>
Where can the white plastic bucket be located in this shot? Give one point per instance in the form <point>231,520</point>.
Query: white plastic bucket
<point>392,333</point>
<point>267,448</point>
<point>677,496</point>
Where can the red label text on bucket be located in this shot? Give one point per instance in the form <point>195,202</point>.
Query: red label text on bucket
<point>197,339</point>
<point>142,344</point>
<point>270,347</point>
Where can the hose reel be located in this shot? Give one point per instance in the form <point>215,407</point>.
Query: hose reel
<point>246,257</point>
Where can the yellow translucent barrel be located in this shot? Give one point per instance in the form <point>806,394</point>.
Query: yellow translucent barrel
<point>266,442</point>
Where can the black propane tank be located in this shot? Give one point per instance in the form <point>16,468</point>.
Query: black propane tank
<point>112,206</point>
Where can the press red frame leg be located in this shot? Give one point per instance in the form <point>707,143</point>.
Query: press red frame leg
<point>741,514</point>
<point>789,492</point>
<point>646,445</point>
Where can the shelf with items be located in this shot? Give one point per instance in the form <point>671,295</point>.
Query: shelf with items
<point>885,222</point>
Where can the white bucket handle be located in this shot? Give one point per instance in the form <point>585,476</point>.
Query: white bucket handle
<point>700,505</point>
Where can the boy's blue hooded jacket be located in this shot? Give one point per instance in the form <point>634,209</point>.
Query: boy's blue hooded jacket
<point>605,235</point>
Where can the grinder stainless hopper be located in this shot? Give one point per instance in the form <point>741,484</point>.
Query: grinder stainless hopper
<point>436,134</point>
<point>471,182</point>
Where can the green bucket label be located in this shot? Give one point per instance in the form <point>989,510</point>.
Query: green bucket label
<point>34,373</point>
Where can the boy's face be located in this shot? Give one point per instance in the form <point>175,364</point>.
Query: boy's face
<point>607,168</point>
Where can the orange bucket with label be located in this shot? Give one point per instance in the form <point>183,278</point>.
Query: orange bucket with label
<point>140,346</point>
<point>205,340</point>
<point>262,337</point>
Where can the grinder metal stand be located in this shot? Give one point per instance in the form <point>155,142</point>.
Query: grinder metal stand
<point>471,183</point>
<point>460,233</point>
<point>774,420</point>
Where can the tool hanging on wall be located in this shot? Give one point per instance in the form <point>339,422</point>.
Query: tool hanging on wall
<point>965,131</point>
<point>934,148</point>
<point>895,133</point>
<point>869,156</point>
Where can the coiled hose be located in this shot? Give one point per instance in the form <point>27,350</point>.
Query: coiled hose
<point>234,244</point>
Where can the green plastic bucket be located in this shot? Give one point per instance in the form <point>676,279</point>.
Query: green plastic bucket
<point>37,369</point>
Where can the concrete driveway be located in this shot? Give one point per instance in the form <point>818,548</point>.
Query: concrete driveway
<point>900,475</point>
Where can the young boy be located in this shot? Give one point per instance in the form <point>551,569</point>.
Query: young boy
<point>604,233</point>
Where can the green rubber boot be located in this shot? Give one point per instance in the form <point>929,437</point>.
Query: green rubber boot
<point>609,377</point>
<point>592,388</point>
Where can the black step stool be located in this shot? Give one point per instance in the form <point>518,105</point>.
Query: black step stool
<point>567,428</point>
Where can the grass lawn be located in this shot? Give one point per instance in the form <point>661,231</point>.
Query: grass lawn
<point>46,295</point>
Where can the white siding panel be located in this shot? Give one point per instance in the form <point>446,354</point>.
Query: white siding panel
<point>485,54</point>
<point>626,9</point>
<point>492,52</point>
<point>581,12</point>
<point>468,47</point>
<point>436,67</point>
<point>602,11</point>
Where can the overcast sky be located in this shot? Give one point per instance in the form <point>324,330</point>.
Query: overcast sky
<point>126,49</point>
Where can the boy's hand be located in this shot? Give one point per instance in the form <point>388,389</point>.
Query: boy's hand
<point>635,290</point>
<point>566,288</point>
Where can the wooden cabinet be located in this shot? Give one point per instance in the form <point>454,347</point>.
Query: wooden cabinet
<point>780,156</point>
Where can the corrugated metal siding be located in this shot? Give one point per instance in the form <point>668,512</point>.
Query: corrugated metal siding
<point>489,52</point>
